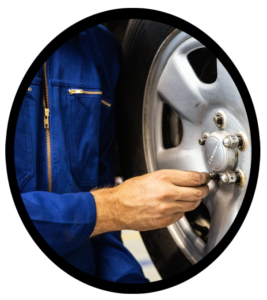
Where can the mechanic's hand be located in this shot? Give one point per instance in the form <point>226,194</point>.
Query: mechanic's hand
<point>151,201</point>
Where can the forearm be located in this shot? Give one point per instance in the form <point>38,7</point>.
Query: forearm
<point>107,211</point>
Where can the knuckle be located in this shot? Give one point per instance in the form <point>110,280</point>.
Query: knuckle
<point>162,209</point>
<point>162,194</point>
<point>199,194</point>
<point>178,194</point>
<point>162,175</point>
<point>196,178</point>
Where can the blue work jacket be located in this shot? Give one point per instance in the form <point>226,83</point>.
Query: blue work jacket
<point>64,147</point>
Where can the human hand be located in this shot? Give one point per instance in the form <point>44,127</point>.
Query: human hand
<point>151,201</point>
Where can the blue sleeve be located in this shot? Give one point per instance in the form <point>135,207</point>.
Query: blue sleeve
<point>114,262</point>
<point>64,221</point>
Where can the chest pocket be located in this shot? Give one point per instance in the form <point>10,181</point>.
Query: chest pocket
<point>84,121</point>
<point>23,155</point>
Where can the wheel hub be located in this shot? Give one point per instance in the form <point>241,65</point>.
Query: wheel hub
<point>219,158</point>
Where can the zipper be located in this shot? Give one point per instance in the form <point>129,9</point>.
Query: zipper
<point>46,118</point>
<point>29,89</point>
<point>80,91</point>
<point>47,129</point>
<point>106,103</point>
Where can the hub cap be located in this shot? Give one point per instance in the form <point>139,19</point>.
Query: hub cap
<point>217,155</point>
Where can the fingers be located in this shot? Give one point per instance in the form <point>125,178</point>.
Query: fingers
<point>177,207</point>
<point>185,178</point>
<point>164,222</point>
<point>188,193</point>
<point>178,212</point>
<point>182,207</point>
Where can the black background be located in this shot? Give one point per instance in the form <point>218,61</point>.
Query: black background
<point>233,264</point>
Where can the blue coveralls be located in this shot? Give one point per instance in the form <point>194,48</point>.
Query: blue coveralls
<point>56,167</point>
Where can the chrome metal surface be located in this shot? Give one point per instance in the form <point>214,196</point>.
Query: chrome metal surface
<point>228,177</point>
<point>219,157</point>
<point>232,141</point>
<point>173,81</point>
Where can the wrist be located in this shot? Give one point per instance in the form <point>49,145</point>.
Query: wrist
<point>107,211</point>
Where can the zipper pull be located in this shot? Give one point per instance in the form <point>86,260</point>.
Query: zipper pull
<point>29,89</point>
<point>76,92</point>
<point>46,118</point>
<point>106,103</point>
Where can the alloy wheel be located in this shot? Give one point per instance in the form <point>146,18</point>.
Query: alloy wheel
<point>192,88</point>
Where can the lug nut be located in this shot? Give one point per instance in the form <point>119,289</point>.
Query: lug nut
<point>233,141</point>
<point>228,177</point>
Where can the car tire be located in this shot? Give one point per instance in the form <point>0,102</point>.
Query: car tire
<point>142,41</point>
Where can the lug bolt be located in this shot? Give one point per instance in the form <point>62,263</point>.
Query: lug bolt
<point>219,120</point>
<point>233,141</point>
<point>202,141</point>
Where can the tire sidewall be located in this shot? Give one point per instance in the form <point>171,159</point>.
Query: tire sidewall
<point>141,44</point>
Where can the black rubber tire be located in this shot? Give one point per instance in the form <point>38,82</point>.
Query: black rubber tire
<point>141,43</point>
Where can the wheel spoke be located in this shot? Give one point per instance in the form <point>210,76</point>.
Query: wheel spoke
<point>228,94</point>
<point>179,87</point>
<point>188,96</point>
<point>223,93</point>
<point>223,206</point>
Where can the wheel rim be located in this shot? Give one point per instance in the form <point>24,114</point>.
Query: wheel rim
<point>172,80</point>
